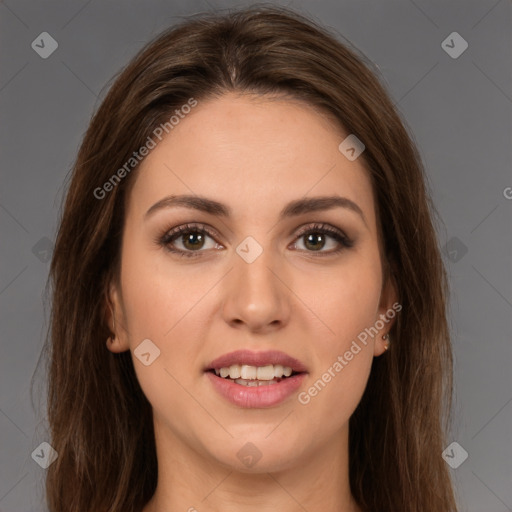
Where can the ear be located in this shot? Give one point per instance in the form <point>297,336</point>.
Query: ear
<point>386,315</point>
<point>118,340</point>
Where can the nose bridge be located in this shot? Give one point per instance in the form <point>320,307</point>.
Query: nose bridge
<point>256,296</point>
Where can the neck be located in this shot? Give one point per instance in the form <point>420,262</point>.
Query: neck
<point>191,480</point>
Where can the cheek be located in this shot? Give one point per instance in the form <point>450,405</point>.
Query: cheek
<point>156,304</point>
<point>346,300</point>
<point>331,397</point>
<point>343,360</point>
<point>347,305</point>
<point>162,304</point>
<point>157,294</point>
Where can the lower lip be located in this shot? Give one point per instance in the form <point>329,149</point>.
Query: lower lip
<point>256,396</point>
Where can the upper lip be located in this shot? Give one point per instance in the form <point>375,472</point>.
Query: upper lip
<point>262,358</point>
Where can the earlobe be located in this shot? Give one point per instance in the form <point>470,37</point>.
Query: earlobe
<point>388,309</point>
<point>111,340</point>
<point>116,342</point>
<point>382,345</point>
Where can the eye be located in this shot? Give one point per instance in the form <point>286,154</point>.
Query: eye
<point>191,237</point>
<point>316,237</point>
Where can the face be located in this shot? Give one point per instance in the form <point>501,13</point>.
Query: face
<point>299,287</point>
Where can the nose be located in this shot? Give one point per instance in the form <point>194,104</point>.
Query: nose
<point>256,295</point>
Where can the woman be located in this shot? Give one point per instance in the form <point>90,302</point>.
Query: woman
<point>248,294</point>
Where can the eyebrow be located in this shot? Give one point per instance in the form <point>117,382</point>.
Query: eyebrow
<point>292,209</point>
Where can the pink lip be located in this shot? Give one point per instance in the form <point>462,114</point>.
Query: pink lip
<point>257,396</point>
<point>263,358</point>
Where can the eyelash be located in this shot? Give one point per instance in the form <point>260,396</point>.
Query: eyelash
<point>170,236</point>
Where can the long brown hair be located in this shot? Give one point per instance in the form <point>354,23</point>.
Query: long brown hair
<point>100,421</point>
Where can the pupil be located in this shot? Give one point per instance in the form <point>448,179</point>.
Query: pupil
<point>193,237</point>
<point>313,237</point>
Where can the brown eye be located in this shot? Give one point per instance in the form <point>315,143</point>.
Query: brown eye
<point>188,240</point>
<point>314,241</point>
<point>317,237</point>
<point>193,240</point>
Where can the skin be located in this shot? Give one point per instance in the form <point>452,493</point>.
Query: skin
<point>254,154</point>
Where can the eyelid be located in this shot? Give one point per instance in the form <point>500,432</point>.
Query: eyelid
<point>321,226</point>
<point>335,233</point>
<point>170,233</point>
<point>343,240</point>
<point>190,226</point>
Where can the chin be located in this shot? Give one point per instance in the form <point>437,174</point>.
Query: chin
<point>255,454</point>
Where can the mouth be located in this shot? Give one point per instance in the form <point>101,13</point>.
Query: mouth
<point>256,379</point>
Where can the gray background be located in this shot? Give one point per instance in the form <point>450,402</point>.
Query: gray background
<point>458,111</point>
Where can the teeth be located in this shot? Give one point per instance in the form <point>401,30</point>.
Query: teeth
<point>234,371</point>
<point>246,372</point>
<point>278,370</point>
<point>252,383</point>
<point>265,372</point>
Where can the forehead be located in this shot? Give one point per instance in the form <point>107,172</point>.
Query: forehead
<point>253,153</point>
